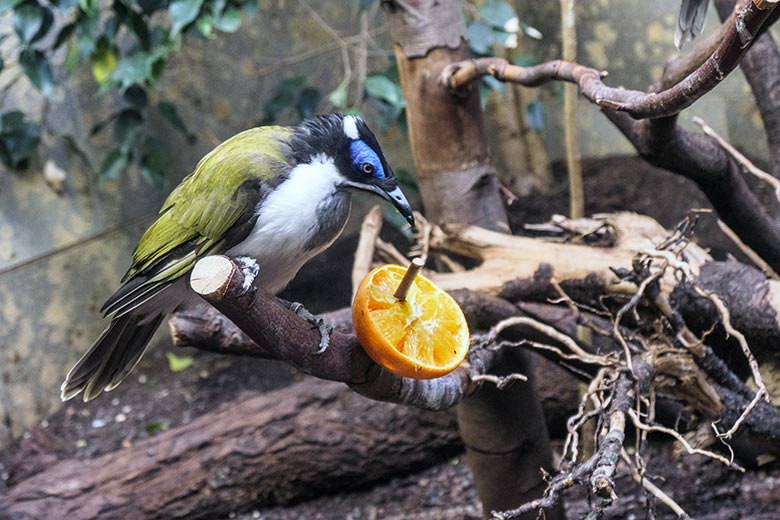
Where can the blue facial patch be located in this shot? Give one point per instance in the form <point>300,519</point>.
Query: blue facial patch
<point>361,153</point>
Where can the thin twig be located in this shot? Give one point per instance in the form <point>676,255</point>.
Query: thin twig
<point>653,489</point>
<point>553,333</point>
<point>749,252</point>
<point>501,382</point>
<point>679,438</point>
<point>389,253</point>
<point>725,318</point>
<point>343,46</point>
<point>746,163</point>
<point>632,303</point>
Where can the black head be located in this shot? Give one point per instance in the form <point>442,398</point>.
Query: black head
<point>355,152</point>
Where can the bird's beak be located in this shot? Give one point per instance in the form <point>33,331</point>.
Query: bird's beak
<point>395,196</point>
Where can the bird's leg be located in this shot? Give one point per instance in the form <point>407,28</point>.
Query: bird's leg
<point>324,328</point>
<point>250,269</point>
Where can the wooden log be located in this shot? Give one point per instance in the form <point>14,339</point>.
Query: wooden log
<point>310,438</point>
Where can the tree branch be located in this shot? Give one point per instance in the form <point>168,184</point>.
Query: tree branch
<point>283,335</point>
<point>761,66</point>
<point>639,105</point>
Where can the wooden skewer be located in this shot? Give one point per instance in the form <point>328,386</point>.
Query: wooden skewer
<point>408,279</point>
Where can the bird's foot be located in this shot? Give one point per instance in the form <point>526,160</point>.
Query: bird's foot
<point>250,269</point>
<point>322,327</point>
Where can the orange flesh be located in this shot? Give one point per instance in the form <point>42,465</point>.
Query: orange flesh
<point>427,327</point>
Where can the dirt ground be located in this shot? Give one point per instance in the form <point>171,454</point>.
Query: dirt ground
<point>155,399</point>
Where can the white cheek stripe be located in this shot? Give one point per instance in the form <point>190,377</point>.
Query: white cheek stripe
<point>350,127</point>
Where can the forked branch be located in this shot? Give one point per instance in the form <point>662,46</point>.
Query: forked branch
<point>640,105</point>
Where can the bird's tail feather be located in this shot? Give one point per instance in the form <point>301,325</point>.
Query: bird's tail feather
<point>113,355</point>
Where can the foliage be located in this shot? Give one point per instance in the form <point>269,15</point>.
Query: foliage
<point>126,44</point>
<point>497,24</point>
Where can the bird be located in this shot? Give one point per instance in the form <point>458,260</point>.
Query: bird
<point>690,21</point>
<point>271,196</point>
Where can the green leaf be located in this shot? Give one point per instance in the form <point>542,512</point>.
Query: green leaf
<point>383,88</point>
<point>481,37</point>
<point>183,12</point>
<point>104,60</point>
<point>140,29</point>
<point>525,60</point>
<point>217,6</point>
<point>178,363</point>
<point>291,83</point>
<point>386,114</point>
<point>28,20</point>
<point>308,100</point>
<point>500,15</point>
<point>8,4</point>
<point>150,6</point>
<point>37,68</point>
<point>154,163</point>
<point>72,57</point>
<point>76,148</point>
<point>88,6</point>
<point>136,96</point>
<point>114,165</point>
<point>535,115</point>
<point>230,20</point>
<point>155,427</point>
<point>338,97</point>
<point>168,111</point>
<point>283,97</point>
<point>132,69</point>
<point>127,125</point>
<point>18,139</point>
<point>205,24</point>
<point>64,35</point>
<point>250,9</point>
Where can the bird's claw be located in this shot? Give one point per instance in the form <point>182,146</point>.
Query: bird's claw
<point>322,327</point>
<point>250,269</point>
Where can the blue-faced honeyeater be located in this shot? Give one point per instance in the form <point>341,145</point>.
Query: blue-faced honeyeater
<point>278,195</point>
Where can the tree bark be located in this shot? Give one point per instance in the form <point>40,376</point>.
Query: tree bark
<point>761,66</point>
<point>287,445</point>
<point>458,184</point>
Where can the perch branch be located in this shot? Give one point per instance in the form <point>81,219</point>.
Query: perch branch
<point>292,339</point>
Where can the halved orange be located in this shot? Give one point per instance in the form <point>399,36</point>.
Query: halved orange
<point>423,336</point>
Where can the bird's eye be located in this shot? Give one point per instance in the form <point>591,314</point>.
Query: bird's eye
<point>367,168</point>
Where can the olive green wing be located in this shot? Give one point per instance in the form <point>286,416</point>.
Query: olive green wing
<point>209,212</point>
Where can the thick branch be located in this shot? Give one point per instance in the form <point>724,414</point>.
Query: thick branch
<point>286,336</point>
<point>695,156</point>
<point>259,450</point>
<point>639,105</point>
<point>761,66</point>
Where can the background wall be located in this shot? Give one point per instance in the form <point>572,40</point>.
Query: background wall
<point>62,254</point>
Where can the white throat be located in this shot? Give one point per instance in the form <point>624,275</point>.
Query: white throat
<point>288,219</point>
